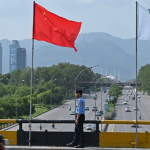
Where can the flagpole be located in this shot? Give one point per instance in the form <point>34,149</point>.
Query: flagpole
<point>31,78</point>
<point>136,74</point>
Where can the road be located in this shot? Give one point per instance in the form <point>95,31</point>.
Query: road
<point>61,113</point>
<point>120,114</point>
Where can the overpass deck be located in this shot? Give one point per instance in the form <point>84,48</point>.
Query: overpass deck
<point>66,148</point>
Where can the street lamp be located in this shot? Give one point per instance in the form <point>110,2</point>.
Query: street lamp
<point>17,99</point>
<point>51,92</point>
<point>37,95</point>
<point>60,88</point>
<point>75,78</point>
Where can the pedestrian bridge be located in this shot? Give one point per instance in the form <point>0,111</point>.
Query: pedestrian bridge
<point>92,139</point>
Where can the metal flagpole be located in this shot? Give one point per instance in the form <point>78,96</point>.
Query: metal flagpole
<point>136,74</point>
<point>31,93</point>
<point>31,79</point>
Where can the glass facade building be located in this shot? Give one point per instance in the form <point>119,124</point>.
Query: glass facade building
<point>17,56</point>
<point>0,58</point>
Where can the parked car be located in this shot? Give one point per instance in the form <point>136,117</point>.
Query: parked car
<point>133,98</point>
<point>136,108</point>
<point>98,113</point>
<point>126,100</point>
<point>127,109</point>
<point>125,103</point>
<point>94,109</point>
<point>106,100</point>
<point>91,127</point>
<point>72,112</point>
<point>86,108</point>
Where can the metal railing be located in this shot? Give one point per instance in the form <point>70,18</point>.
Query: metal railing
<point>21,121</point>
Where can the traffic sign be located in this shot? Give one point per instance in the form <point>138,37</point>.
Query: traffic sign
<point>112,98</point>
<point>106,106</point>
<point>101,112</point>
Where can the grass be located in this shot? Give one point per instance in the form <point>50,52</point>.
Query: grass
<point>108,114</point>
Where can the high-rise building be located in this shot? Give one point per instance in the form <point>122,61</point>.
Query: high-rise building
<point>17,56</point>
<point>0,58</point>
<point>21,58</point>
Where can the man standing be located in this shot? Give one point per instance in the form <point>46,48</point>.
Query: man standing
<point>80,117</point>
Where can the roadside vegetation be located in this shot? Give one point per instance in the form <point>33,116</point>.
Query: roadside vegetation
<point>15,89</point>
<point>144,78</point>
<point>114,91</point>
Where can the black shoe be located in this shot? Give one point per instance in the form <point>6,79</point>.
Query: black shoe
<point>71,144</point>
<point>79,146</point>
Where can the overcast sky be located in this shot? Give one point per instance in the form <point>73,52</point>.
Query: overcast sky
<point>116,17</point>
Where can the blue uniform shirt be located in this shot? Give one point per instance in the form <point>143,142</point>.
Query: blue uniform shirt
<point>80,106</point>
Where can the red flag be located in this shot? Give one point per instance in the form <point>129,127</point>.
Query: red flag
<point>53,28</point>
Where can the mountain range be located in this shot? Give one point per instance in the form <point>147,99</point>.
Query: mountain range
<point>109,52</point>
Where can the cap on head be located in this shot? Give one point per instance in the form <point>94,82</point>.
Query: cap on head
<point>79,91</point>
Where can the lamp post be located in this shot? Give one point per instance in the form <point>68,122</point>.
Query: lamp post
<point>95,91</point>
<point>37,96</point>
<point>60,89</point>
<point>51,93</point>
<point>17,99</point>
<point>75,78</point>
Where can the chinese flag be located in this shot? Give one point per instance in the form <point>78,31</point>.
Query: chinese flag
<point>54,29</point>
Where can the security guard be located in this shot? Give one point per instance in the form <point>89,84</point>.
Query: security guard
<point>80,117</point>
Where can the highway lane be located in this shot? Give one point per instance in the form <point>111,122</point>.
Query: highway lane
<point>120,114</point>
<point>61,113</point>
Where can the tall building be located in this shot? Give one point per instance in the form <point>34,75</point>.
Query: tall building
<point>21,58</point>
<point>17,56</point>
<point>0,58</point>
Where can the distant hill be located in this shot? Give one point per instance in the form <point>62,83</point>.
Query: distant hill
<point>93,48</point>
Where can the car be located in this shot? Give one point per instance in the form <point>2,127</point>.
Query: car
<point>138,96</point>
<point>127,109</point>
<point>126,100</point>
<point>125,103</point>
<point>97,113</point>
<point>95,98</point>
<point>133,98</point>
<point>134,126</point>
<point>104,91</point>
<point>136,108</point>
<point>86,108</point>
<point>106,100</point>
<point>94,109</point>
<point>72,112</point>
<point>91,127</point>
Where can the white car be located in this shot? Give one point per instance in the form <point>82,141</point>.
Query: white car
<point>136,108</point>
<point>127,109</point>
<point>94,109</point>
<point>125,103</point>
<point>86,108</point>
<point>72,112</point>
<point>98,113</point>
<point>91,127</point>
<point>138,96</point>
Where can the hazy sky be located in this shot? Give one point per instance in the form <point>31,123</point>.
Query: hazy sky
<point>116,17</point>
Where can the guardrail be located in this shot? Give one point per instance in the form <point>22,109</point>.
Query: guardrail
<point>97,138</point>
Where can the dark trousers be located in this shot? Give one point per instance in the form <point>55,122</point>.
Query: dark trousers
<point>79,131</point>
